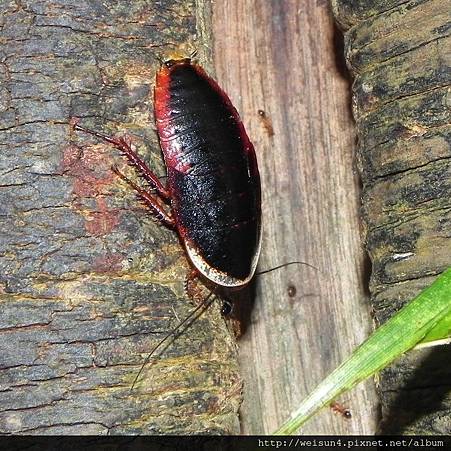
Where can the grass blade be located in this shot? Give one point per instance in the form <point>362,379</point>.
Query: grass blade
<point>417,320</point>
<point>439,334</point>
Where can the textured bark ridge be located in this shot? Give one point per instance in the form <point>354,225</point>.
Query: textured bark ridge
<point>88,282</point>
<point>398,52</point>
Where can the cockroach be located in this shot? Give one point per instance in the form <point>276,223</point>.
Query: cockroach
<point>213,178</point>
<point>213,184</point>
<point>212,196</point>
<point>340,409</point>
<point>266,122</point>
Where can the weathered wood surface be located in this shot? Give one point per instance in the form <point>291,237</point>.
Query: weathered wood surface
<point>399,53</point>
<point>284,57</point>
<point>88,282</point>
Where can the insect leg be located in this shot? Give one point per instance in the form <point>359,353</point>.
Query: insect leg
<point>191,285</point>
<point>125,147</point>
<point>150,200</point>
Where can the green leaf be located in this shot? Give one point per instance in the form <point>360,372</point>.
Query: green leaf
<point>439,334</point>
<point>426,317</point>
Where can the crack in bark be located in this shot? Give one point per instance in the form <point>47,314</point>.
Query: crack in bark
<point>378,13</point>
<point>39,406</point>
<point>50,426</point>
<point>407,217</point>
<point>364,114</point>
<point>36,121</point>
<point>383,284</point>
<point>368,182</point>
<point>368,68</point>
<point>368,149</point>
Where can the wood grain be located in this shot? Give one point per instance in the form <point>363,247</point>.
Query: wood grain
<point>282,57</point>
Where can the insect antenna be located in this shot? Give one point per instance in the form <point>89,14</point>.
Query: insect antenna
<point>176,332</point>
<point>193,54</point>
<point>159,58</point>
<point>284,265</point>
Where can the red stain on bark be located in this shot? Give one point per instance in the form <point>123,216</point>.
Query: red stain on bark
<point>108,263</point>
<point>102,221</point>
<point>90,167</point>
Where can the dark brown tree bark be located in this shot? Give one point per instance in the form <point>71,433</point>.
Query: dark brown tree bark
<point>398,52</point>
<point>88,282</point>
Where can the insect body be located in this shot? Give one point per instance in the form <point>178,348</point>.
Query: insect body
<point>339,408</point>
<point>266,122</point>
<point>213,179</point>
<point>213,184</point>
